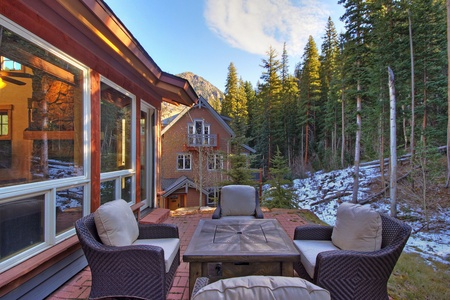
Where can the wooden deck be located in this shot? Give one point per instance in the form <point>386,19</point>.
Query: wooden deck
<point>79,286</point>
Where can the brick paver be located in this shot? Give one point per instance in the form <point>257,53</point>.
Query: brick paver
<point>79,286</point>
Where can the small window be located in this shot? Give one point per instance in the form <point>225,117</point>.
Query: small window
<point>184,162</point>
<point>5,122</point>
<point>215,162</point>
<point>5,137</point>
<point>10,65</point>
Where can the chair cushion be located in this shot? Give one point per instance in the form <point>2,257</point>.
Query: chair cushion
<point>238,200</point>
<point>309,250</point>
<point>116,224</point>
<point>261,287</point>
<point>358,227</point>
<point>169,245</point>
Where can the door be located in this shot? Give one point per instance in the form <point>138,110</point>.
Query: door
<point>147,132</point>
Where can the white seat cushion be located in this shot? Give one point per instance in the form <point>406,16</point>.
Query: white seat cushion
<point>116,224</point>
<point>238,200</point>
<point>358,227</point>
<point>169,245</point>
<point>261,287</point>
<point>309,249</point>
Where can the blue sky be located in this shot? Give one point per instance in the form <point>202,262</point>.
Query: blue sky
<point>205,36</point>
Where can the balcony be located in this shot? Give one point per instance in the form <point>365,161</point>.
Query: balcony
<point>202,140</point>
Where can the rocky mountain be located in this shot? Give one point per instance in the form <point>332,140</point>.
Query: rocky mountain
<point>202,87</point>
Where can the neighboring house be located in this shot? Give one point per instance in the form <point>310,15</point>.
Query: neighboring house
<point>195,146</point>
<point>80,104</point>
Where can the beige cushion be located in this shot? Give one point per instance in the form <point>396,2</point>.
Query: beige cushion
<point>357,227</point>
<point>238,200</point>
<point>309,249</point>
<point>116,223</point>
<point>169,245</point>
<point>261,287</point>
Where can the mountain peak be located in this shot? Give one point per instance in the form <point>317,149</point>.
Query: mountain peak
<point>202,86</point>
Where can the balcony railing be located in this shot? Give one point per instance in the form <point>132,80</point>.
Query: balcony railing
<point>202,140</point>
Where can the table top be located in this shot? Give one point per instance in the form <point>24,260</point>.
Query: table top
<point>240,240</point>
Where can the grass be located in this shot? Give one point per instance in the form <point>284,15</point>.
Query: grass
<point>415,278</point>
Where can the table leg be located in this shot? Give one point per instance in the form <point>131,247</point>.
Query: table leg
<point>287,269</point>
<point>195,271</point>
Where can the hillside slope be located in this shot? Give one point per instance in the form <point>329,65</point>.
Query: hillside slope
<point>202,87</point>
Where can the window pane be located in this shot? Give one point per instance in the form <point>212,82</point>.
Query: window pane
<point>5,159</point>
<point>188,162</point>
<point>126,189</point>
<point>107,191</point>
<point>47,114</point>
<point>69,208</point>
<point>21,225</point>
<point>115,129</point>
<point>180,162</point>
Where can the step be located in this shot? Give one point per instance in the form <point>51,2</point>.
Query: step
<point>158,215</point>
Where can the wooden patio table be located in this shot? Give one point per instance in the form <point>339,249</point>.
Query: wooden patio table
<point>225,248</point>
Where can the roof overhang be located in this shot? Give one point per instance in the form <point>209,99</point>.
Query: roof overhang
<point>95,26</point>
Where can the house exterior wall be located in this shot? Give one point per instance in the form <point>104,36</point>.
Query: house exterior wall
<point>175,140</point>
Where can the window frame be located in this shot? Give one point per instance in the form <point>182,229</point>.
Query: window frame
<point>217,160</point>
<point>119,175</point>
<point>184,155</point>
<point>8,109</point>
<point>49,188</point>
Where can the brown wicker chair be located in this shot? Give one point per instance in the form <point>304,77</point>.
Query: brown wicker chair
<point>234,195</point>
<point>129,271</point>
<point>352,274</point>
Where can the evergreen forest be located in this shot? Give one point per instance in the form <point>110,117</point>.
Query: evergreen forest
<point>334,110</point>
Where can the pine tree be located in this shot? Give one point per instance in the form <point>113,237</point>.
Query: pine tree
<point>356,23</point>
<point>231,92</point>
<point>288,99</point>
<point>309,96</point>
<point>281,193</point>
<point>330,96</point>
<point>268,108</point>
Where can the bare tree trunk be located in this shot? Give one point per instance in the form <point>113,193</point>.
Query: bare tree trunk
<point>357,144</point>
<point>306,139</point>
<point>342,130</point>
<point>405,135</point>
<point>425,110</point>
<point>200,161</point>
<point>413,101</point>
<point>393,145</point>
<point>381,137</point>
<point>448,93</point>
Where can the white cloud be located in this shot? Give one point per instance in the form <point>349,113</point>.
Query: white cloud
<point>254,25</point>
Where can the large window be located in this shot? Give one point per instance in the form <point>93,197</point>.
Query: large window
<point>117,143</point>
<point>41,98</point>
<point>44,141</point>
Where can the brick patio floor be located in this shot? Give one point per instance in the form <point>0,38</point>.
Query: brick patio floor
<point>80,285</point>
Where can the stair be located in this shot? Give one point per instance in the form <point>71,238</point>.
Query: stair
<point>157,216</point>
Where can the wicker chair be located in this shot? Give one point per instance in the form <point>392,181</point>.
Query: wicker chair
<point>352,274</point>
<point>238,201</point>
<point>130,271</point>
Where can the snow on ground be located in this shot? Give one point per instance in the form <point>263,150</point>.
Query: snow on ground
<point>431,245</point>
